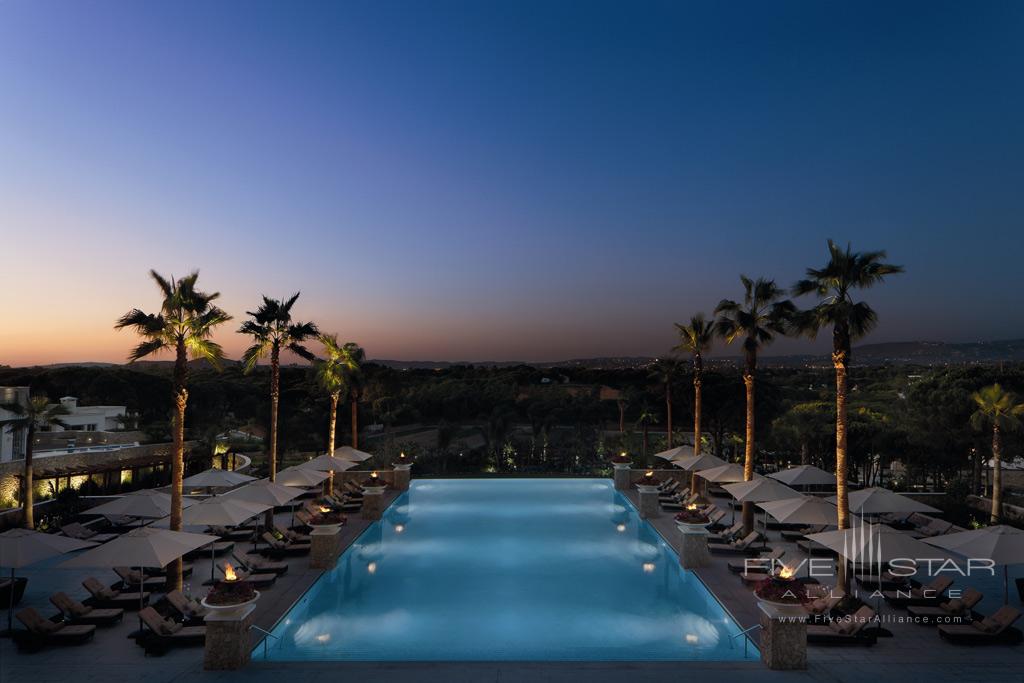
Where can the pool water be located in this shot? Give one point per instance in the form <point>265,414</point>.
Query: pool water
<point>507,569</point>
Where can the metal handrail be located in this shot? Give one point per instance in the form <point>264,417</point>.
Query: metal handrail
<point>744,632</point>
<point>265,633</point>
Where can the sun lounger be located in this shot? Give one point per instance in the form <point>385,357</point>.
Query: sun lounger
<point>814,548</point>
<point>84,533</point>
<point>726,535</point>
<point>825,603</point>
<point>951,611</point>
<point>794,535</point>
<point>929,594</point>
<point>217,548</point>
<point>227,534</point>
<point>276,547</point>
<point>9,586</point>
<point>859,629</point>
<point>102,596</point>
<point>41,632</point>
<point>760,564</point>
<point>78,613</point>
<point>886,581</point>
<point>162,634</point>
<point>993,629</point>
<point>260,565</point>
<point>133,579</point>
<point>188,608</point>
<point>292,536</point>
<point>745,546</point>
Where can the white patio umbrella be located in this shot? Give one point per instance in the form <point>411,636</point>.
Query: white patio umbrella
<point>300,476</point>
<point>22,547</point>
<point>703,461</point>
<point>331,464</point>
<point>809,510</point>
<point>265,491</point>
<point>349,453</point>
<point>141,548</point>
<point>757,491</point>
<point>1002,544</point>
<point>805,475</point>
<point>144,504</point>
<point>214,478</point>
<point>877,501</point>
<point>222,511</point>
<point>723,474</point>
<point>675,453</point>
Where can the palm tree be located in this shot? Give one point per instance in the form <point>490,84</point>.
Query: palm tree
<point>184,325</point>
<point>664,371</point>
<point>355,355</point>
<point>696,339</point>
<point>38,413</point>
<point>644,421</point>
<point>272,329</point>
<point>762,315</point>
<point>999,409</point>
<point>332,376</point>
<point>834,284</point>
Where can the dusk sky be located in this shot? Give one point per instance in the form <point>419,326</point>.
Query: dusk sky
<point>504,180</point>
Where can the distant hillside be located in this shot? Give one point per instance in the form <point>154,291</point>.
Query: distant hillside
<point>941,353</point>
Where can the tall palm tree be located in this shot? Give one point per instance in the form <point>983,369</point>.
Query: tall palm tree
<point>834,284</point>
<point>184,325</point>
<point>696,339</point>
<point>761,316</point>
<point>644,422</point>
<point>272,329</point>
<point>664,372</point>
<point>999,409</point>
<point>38,413</point>
<point>355,355</point>
<point>332,375</point>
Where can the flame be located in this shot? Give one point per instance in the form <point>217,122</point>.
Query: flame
<point>373,475</point>
<point>648,474</point>
<point>691,506</point>
<point>786,572</point>
<point>401,456</point>
<point>622,454</point>
<point>229,572</point>
<point>324,509</point>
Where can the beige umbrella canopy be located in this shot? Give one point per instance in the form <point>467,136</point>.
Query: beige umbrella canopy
<point>349,453</point>
<point>760,490</point>
<point>214,478</point>
<point>730,472</point>
<point>145,504</point>
<point>874,544</point>
<point>1002,544</point>
<point>265,491</point>
<point>22,547</point>
<point>300,476</point>
<point>328,463</point>
<point>877,501</point>
<point>699,462</point>
<point>222,511</point>
<point>675,453</point>
<point>805,475</point>
<point>802,510</point>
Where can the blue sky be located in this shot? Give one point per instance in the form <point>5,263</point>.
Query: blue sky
<point>484,180</point>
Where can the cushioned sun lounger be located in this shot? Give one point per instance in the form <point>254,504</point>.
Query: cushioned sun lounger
<point>955,610</point>
<point>928,594</point>
<point>859,629</point>
<point>41,632</point>
<point>102,596</point>
<point>84,614</point>
<point>162,634</point>
<point>993,629</point>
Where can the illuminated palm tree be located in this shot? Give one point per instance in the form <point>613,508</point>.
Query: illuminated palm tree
<point>834,284</point>
<point>664,372</point>
<point>272,329</point>
<point>184,326</point>
<point>761,316</point>
<point>332,375</point>
<point>999,409</point>
<point>355,356</point>
<point>644,421</point>
<point>696,339</point>
<point>38,413</point>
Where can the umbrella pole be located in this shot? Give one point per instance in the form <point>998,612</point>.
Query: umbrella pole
<point>10,606</point>
<point>1006,584</point>
<point>142,597</point>
<point>213,563</point>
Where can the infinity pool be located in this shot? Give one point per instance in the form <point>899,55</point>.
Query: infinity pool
<point>507,569</point>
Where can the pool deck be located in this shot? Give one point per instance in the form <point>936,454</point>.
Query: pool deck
<point>915,653</point>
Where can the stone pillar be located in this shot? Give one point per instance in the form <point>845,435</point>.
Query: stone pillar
<point>373,505</point>
<point>694,553</point>
<point>621,477</point>
<point>783,639</point>
<point>227,639</point>
<point>325,547</point>
<point>400,479</point>
<point>649,504</point>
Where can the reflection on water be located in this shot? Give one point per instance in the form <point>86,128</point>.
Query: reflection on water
<point>534,569</point>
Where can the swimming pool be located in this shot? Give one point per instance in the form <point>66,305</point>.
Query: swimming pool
<point>507,569</point>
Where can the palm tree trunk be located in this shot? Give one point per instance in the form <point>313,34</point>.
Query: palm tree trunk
<point>644,454</point>
<point>697,381</point>
<point>355,421</point>
<point>178,455</point>
<point>748,452</point>
<point>997,475</point>
<point>839,360</point>
<point>668,410</point>
<point>275,397</point>
<point>28,502</point>
<point>330,439</point>
<point>976,458</point>
<point>805,453</point>
<point>622,417</point>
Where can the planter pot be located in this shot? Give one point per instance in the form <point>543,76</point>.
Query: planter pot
<point>622,465</point>
<point>401,465</point>
<point>229,610</point>
<point>782,608</point>
<point>688,528</point>
<point>374,489</point>
<point>645,488</point>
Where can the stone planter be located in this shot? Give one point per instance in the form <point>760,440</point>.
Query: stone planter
<point>401,466</point>
<point>644,488</point>
<point>236,609</point>
<point>374,490</point>
<point>622,465</point>
<point>781,609</point>
<point>688,528</point>
<point>326,527</point>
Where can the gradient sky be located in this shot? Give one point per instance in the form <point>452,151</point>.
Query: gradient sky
<point>517,180</point>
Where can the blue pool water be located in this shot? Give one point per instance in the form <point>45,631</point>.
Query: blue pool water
<point>506,569</point>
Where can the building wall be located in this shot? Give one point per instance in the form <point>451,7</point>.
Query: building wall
<point>12,439</point>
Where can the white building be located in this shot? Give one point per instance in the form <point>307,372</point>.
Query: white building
<point>89,418</point>
<point>78,418</point>
<point>12,436</point>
